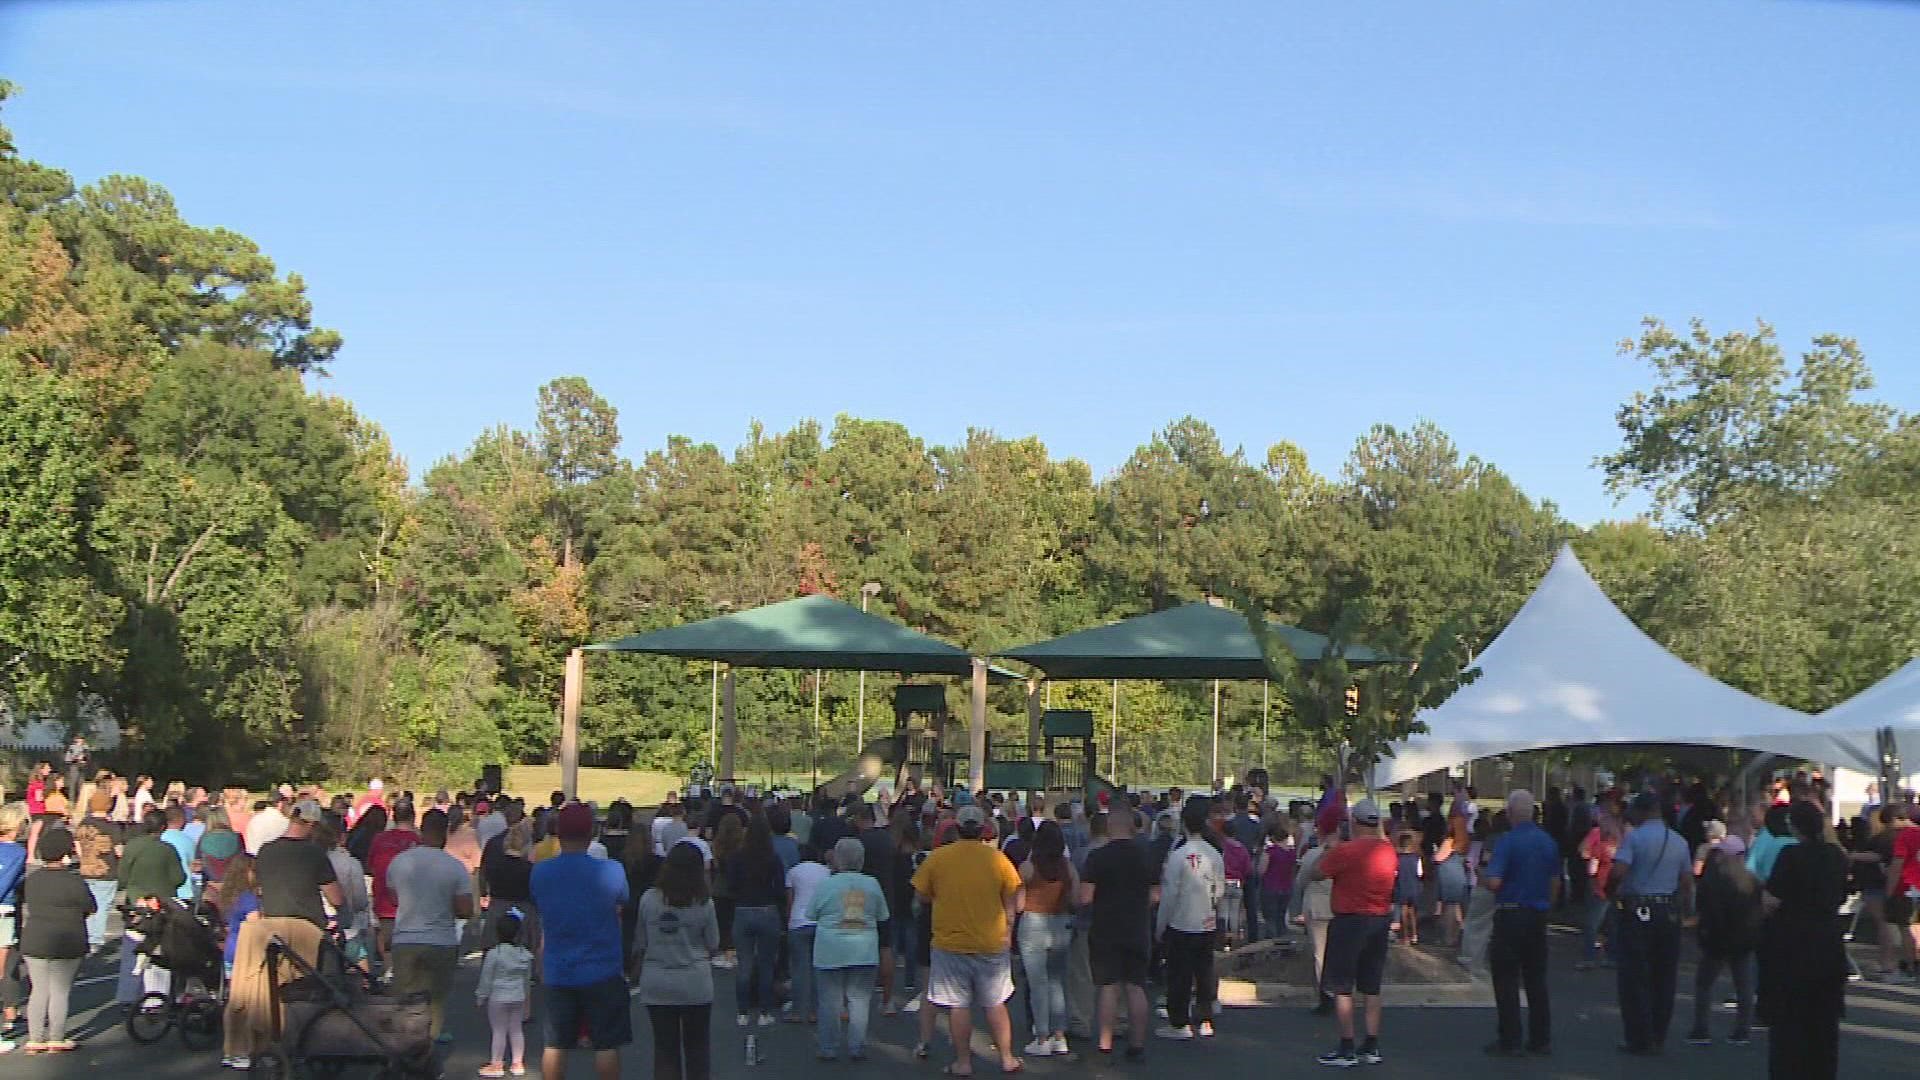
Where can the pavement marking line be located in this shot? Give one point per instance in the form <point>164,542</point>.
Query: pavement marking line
<point>96,980</point>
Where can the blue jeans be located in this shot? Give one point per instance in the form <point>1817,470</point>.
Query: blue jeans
<point>853,987</point>
<point>1045,941</point>
<point>906,944</point>
<point>1273,914</point>
<point>1599,909</point>
<point>800,966</point>
<point>102,903</point>
<point>756,936</point>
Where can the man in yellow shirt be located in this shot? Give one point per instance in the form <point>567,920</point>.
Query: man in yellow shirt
<point>975,893</point>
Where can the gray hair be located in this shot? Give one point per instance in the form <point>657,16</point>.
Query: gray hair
<point>849,854</point>
<point>1519,806</point>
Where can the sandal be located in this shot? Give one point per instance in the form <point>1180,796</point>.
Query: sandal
<point>1018,1067</point>
<point>949,1070</point>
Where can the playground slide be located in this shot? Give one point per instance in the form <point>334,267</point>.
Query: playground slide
<point>879,761</point>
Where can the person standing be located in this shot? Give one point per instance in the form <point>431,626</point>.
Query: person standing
<point>53,939</point>
<point>805,877</point>
<point>13,866</point>
<point>1803,957</point>
<point>1191,885</point>
<point>150,872</point>
<point>97,844</point>
<point>1653,879</point>
<point>847,910</point>
<point>878,865</point>
<point>579,898</point>
<point>975,893</point>
<point>1903,886</point>
<point>1117,890</point>
<point>1579,824</point>
<point>399,836</point>
<point>433,895</point>
<point>175,836</point>
<point>268,823</point>
<point>505,989</point>
<point>295,875</point>
<point>77,760</point>
<point>1728,905</point>
<point>1250,832</point>
<point>1046,936</point>
<point>1363,871</point>
<point>677,937</point>
<point>1523,874</point>
<point>1313,909</point>
<point>757,883</point>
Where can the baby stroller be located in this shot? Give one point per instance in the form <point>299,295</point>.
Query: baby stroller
<point>186,944</point>
<point>332,1019</point>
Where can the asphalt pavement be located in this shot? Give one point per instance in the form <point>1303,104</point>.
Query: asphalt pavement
<point>1881,1038</point>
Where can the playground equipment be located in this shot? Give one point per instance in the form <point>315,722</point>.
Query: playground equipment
<point>922,748</point>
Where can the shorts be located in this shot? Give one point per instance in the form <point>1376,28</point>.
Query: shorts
<point>1356,954</point>
<point>601,1009</point>
<point>9,928</point>
<point>963,980</point>
<point>1901,910</point>
<point>1118,965</point>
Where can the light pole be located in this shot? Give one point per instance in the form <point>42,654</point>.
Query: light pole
<point>867,592</point>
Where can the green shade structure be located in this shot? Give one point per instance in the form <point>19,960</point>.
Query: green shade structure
<point>1193,641</point>
<point>811,632</point>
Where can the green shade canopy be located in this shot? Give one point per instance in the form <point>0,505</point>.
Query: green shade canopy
<point>810,632</point>
<point>1194,641</point>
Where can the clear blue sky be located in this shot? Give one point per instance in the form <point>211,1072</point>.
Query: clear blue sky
<point>1074,220</point>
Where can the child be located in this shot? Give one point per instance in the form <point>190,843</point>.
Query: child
<point>1406,886</point>
<point>505,976</point>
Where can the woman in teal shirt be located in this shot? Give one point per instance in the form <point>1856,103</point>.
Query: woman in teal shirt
<point>847,909</point>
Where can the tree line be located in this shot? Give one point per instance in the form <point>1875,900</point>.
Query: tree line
<point>241,569</point>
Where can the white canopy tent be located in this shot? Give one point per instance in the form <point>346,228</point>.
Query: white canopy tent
<point>1892,704</point>
<point>1573,670</point>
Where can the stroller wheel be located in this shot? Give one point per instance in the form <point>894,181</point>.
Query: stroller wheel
<point>200,1024</point>
<point>150,1019</point>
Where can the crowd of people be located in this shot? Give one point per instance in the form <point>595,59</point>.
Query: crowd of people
<point>942,903</point>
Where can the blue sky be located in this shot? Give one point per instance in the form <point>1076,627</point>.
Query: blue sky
<point>1074,220</point>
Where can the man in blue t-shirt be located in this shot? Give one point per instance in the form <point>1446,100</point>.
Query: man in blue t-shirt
<point>1524,873</point>
<point>579,899</point>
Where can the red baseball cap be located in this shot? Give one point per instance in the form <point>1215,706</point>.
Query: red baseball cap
<point>574,821</point>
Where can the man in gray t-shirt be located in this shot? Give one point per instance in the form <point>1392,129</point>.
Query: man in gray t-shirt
<point>435,894</point>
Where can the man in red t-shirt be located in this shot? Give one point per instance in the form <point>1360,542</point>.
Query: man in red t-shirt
<point>1362,871</point>
<point>1903,880</point>
<point>398,837</point>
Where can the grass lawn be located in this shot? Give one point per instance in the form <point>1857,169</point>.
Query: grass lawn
<point>598,786</point>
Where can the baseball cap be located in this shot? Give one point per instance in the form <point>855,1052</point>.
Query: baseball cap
<point>376,784</point>
<point>970,816</point>
<point>309,811</point>
<point>1733,846</point>
<point>1365,812</point>
<point>573,821</point>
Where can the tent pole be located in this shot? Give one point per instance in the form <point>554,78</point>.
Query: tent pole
<point>1264,685</point>
<point>729,726</point>
<point>977,729</point>
<point>570,724</point>
<point>860,729</point>
<point>713,720</point>
<point>1113,735</point>
<point>1213,773</point>
<point>814,755</point>
<point>1034,698</point>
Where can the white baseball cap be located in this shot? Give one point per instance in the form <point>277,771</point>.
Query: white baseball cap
<point>376,785</point>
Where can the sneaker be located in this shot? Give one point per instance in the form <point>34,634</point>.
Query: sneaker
<point>1206,1029</point>
<point>766,1019</point>
<point>7,1046</point>
<point>1339,1059</point>
<point>1699,1038</point>
<point>1168,1031</point>
<point>1739,1038</point>
<point>1161,1012</point>
<point>1039,1048</point>
<point>741,1020</point>
<point>1058,1045</point>
<point>491,1072</point>
<point>242,1063</point>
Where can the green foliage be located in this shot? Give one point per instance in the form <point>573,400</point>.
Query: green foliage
<point>239,567</point>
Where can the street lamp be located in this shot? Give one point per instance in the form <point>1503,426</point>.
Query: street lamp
<point>867,592</point>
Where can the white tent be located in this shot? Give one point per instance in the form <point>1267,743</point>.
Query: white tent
<point>1573,670</point>
<point>1893,702</point>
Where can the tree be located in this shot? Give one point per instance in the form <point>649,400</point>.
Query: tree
<point>1366,709</point>
<point>579,438</point>
<point>1729,425</point>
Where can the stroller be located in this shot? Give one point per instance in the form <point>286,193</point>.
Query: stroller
<point>332,1018</point>
<point>186,943</point>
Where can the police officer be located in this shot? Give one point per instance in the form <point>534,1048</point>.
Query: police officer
<point>1523,874</point>
<point>1652,881</point>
